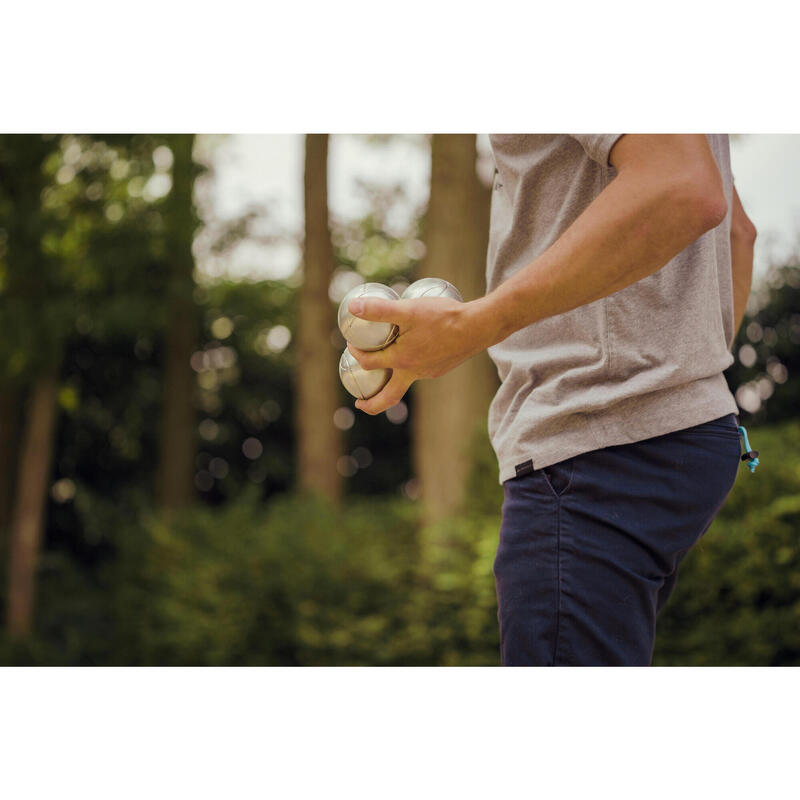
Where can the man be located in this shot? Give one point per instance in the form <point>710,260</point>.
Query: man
<point>618,271</point>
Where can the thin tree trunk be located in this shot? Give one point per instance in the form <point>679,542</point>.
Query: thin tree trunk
<point>36,452</point>
<point>177,441</point>
<point>9,413</point>
<point>319,443</point>
<point>450,411</point>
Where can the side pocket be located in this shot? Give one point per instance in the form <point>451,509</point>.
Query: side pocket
<point>559,476</point>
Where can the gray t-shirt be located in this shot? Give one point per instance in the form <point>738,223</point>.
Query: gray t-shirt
<point>642,362</point>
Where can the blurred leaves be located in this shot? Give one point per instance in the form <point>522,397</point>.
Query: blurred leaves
<point>765,376</point>
<point>300,582</point>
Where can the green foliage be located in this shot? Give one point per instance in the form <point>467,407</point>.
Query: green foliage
<point>766,373</point>
<point>298,582</point>
<point>82,238</point>
<point>302,583</point>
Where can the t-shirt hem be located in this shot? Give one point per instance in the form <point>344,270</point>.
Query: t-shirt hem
<point>657,413</point>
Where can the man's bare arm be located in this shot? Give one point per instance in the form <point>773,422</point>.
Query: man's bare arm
<point>667,193</point>
<point>743,238</point>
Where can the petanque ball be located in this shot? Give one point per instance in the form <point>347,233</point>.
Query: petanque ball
<point>432,287</point>
<point>364,334</point>
<point>361,383</point>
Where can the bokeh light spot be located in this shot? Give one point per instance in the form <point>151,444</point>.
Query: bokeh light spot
<point>770,337</point>
<point>765,388</point>
<point>222,327</point>
<point>208,430</point>
<point>94,191</point>
<point>63,490</point>
<point>252,448</point>
<point>278,338</point>
<point>343,418</point>
<point>397,414</point>
<point>163,158</point>
<point>65,174</point>
<point>747,355</point>
<point>157,186</point>
<point>270,410</point>
<point>135,186</point>
<point>748,398</point>
<point>754,332</point>
<point>114,212</point>
<point>119,169</point>
<point>778,372</point>
<point>411,489</point>
<point>342,282</point>
<point>218,467</point>
<point>346,466</point>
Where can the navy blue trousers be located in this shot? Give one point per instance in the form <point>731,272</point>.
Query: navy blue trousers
<point>589,547</point>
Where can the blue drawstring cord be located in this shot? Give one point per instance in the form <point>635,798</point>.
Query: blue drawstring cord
<point>750,456</point>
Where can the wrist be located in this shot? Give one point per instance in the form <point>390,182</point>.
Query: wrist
<point>484,322</point>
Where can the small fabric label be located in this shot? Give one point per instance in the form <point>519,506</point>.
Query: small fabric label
<point>524,468</point>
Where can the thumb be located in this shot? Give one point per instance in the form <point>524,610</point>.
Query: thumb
<point>376,309</point>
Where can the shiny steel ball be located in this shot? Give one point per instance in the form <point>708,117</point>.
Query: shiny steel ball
<point>361,383</point>
<point>432,287</point>
<point>366,335</point>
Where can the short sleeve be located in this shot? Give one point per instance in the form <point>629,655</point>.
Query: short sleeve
<point>597,145</point>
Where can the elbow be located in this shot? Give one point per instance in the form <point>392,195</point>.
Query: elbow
<point>713,210</point>
<point>700,203</point>
<point>743,230</point>
<point>708,207</point>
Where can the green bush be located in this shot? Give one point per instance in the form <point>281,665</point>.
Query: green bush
<point>299,582</point>
<point>303,583</point>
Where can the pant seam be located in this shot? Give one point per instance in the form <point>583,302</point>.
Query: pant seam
<point>558,580</point>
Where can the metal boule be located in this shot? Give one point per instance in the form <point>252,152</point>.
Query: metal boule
<point>432,287</point>
<point>365,334</point>
<point>361,383</point>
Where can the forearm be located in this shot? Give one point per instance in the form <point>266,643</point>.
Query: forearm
<point>631,229</point>
<point>743,237</point>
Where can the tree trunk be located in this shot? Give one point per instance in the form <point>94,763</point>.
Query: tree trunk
<point>27,520</point>
<point>9,413</point>
<point>319,443</point>
<point>177,441</point>
<point>450,411</point>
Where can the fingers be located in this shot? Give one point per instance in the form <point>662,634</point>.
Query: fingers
<point>373,359</point>
<point>375,309</point>
<point>389,396</point>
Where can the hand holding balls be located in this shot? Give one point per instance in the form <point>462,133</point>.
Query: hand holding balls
<point>369,335</point>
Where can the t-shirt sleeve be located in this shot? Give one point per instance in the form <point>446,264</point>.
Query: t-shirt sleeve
<point>597,145</point>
